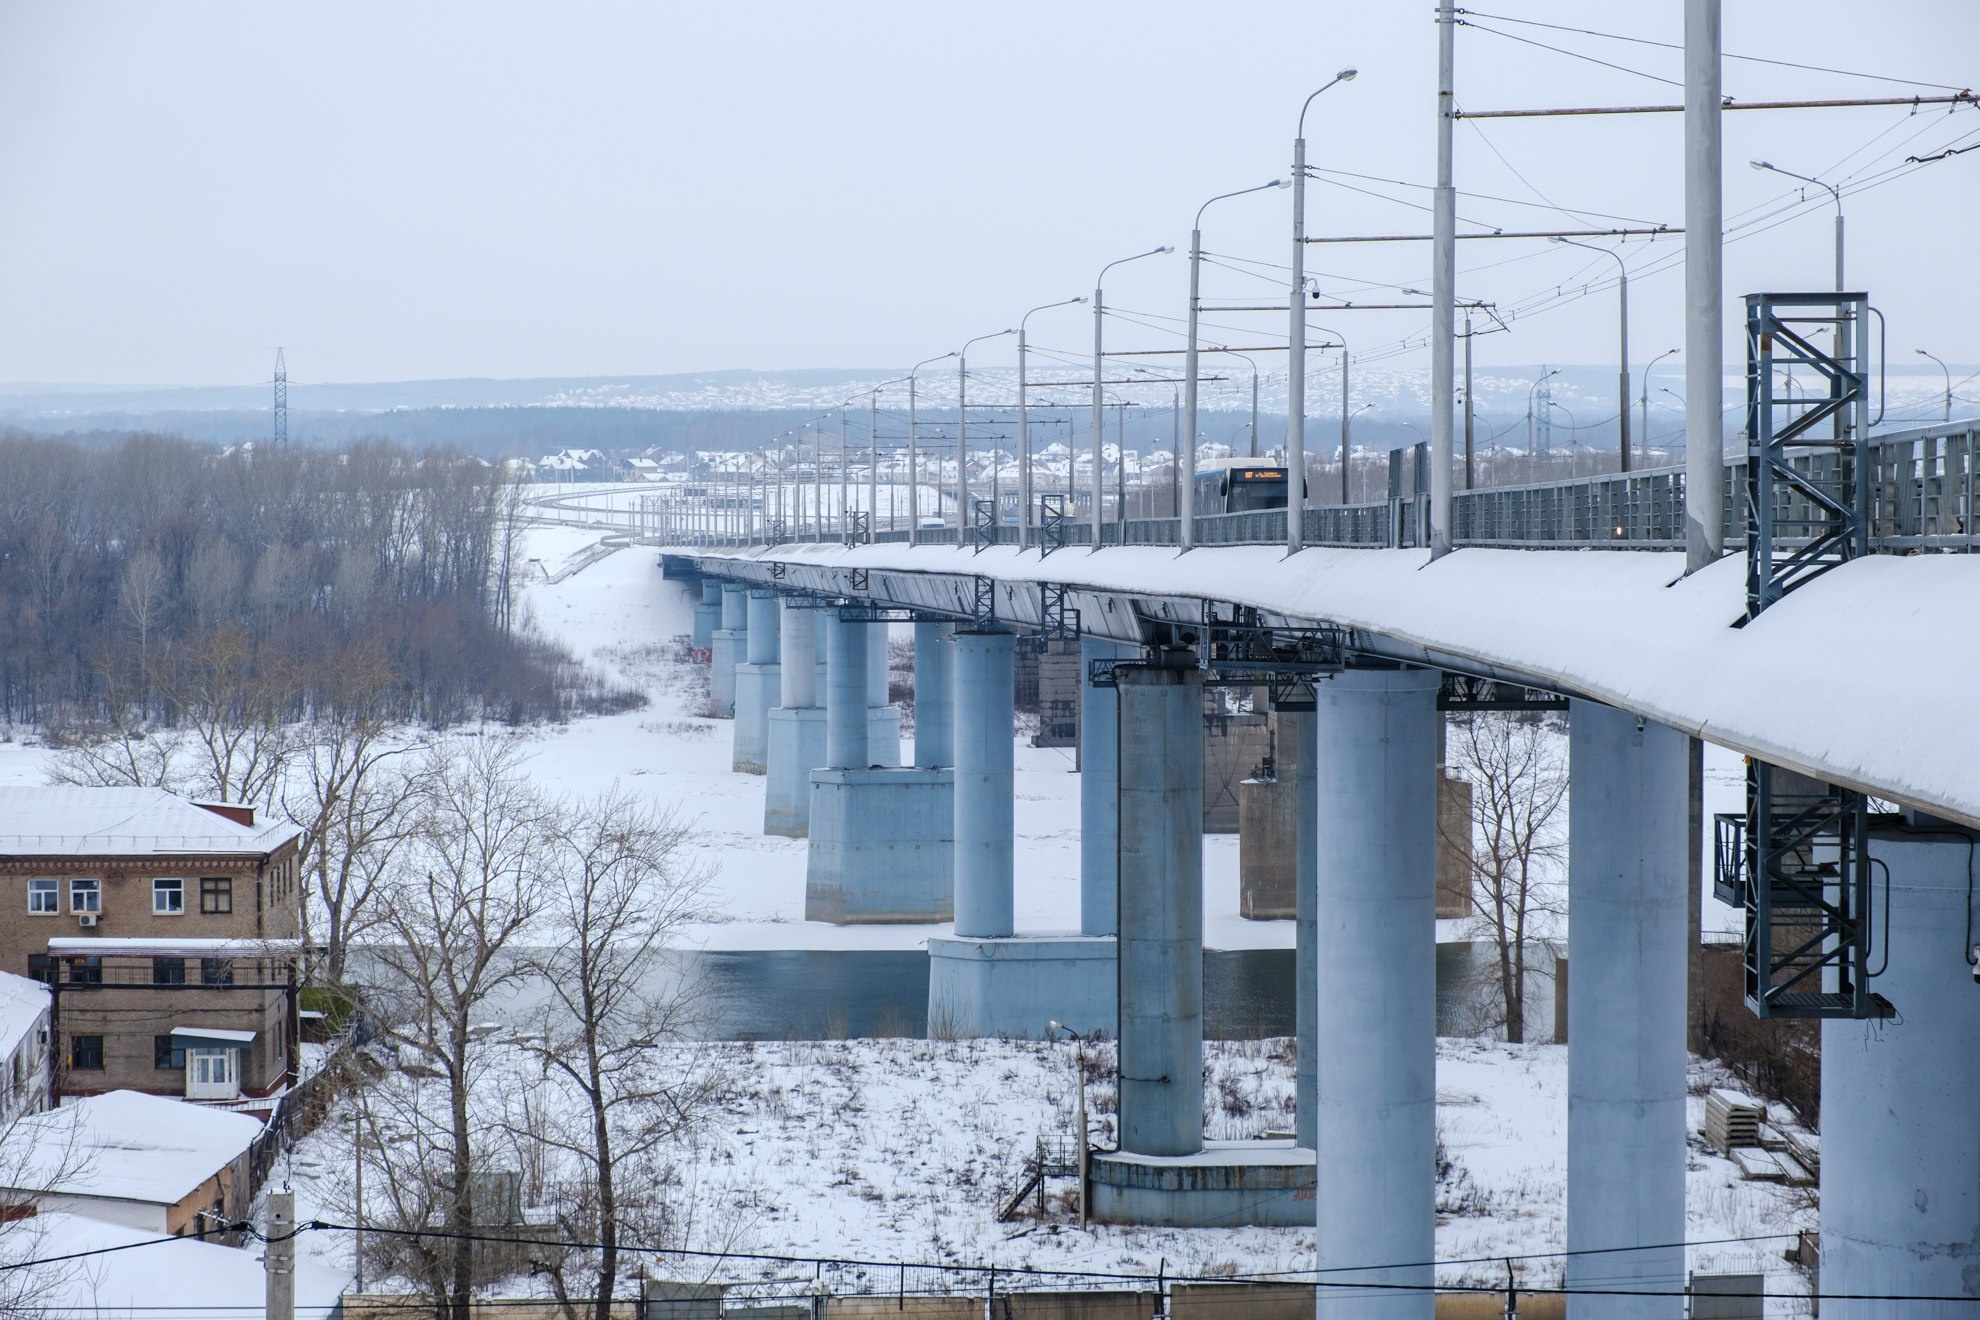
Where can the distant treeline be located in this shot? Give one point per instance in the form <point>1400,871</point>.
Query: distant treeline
<point>497,433</point>
<point>148,576</point>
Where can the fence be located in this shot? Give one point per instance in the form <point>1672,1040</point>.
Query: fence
<point>1922,497</point>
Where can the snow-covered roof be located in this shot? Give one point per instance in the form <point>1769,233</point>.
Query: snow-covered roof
<point>128,1146</point>
<point>138,946</point>
<point>23,1004</point>
<point>174,1279</point>
<point>69,821</point>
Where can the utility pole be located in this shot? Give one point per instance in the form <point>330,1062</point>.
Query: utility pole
<point>278,1259</point>
<point>1345,417</point>
<point>1704,292</point>
<point>1469,474</point>
<point>873,471</point>
<point>1444,289</point>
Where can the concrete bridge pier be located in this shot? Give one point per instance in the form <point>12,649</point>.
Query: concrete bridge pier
<point>727,650</point>
<point>1628,844</point>
<point>1099,793</point>
<point>986,980</point>
<point>1161,906</point>
<point>796,741</point>
<point>934,695</point>
<point>1900,1147</point>
<point>885,738</point>
<point>1299,735</point>
<point>882,837</point>
<point>707,615</point>
<point>758,684</point>
<point>1375,1116</point>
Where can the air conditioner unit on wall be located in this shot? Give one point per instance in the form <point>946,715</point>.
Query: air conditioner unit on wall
<point>88,920</point>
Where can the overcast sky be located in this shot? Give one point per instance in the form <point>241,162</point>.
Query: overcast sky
<point>399,191</point>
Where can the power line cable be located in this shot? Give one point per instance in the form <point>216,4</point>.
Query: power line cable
<point>1749,59</point>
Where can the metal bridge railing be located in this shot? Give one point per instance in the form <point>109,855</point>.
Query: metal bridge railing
<point>1922,498</point>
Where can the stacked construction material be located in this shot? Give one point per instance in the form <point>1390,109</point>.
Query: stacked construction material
<point>1733,1118</point>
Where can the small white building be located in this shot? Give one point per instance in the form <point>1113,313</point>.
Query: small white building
<point>24,1047</point>
<point>136,1277</point>
<point>144,1161</point>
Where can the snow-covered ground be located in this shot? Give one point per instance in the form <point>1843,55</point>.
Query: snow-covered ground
<point>904,1149</point>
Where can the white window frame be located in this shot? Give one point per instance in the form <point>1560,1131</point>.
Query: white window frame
<point>89,887</point>
<point>40,887</point>
<point>159,891</point>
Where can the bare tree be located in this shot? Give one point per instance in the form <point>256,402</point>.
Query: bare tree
<point>621,883</point>
<point>1518,773</point>
<point>461,900</point>
<point>40,1151</point>
<point>351,791</point>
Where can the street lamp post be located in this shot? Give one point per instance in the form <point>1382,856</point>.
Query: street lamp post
<point>1079,1106</point>
<point>1948,374</point>
<point>1186,482</point>
<point>1099,361</point>
<point>1024,426</point>
<point>962,434</point>
<point>1252,449</point>
<point>1622,357</point>
<point>914,488</point>
<point>1644,440</point>
<point>1843,338</point>
<point>1296,339</point>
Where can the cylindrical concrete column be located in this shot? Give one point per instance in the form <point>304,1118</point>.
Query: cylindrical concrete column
<point>1375,1116</point>
<point>1297,749</point>
<point>1628,838</point>
<point>1099,791</point>
<point>1160,773</point>
<point>798,678</point>
<point>845,695</point>
<point>735,607</point>
<point>876,664</point>
<point>984,787</point>
<point>934,696</point>
<point>1900,1149</point>
<point>762,625</point>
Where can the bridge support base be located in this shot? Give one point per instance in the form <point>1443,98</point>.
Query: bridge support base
<point>1628,843</point>
<point>1900,1149</point>
<point>726,650</point>
<point>1226,1184</point>
<point>882,846</point>
<point>1012,987</point>
<point>796,748</point>
<point>757,692</point>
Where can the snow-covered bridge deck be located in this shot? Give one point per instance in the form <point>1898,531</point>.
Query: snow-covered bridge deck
<point>1864,677</point>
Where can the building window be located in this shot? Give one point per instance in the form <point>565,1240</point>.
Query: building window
<point>168,895</point>
<point>42,896</point>
<point>84,971</point>
<point>85,894</point>
<point>168,971</point>
<point>216,895</point>
<point>216,971</point>
<point>86,1053</point>
<point>167,1053</point>
<point>41,968</point>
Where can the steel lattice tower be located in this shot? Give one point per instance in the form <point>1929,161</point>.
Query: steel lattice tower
<point>281,401</point>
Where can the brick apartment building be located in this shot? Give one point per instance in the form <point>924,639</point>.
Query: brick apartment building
<point>167,931</point>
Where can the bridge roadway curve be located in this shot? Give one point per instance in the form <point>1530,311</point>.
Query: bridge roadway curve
<point>1864,677</point>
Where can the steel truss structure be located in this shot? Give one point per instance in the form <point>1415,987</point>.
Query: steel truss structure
<point>1797,863</point>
